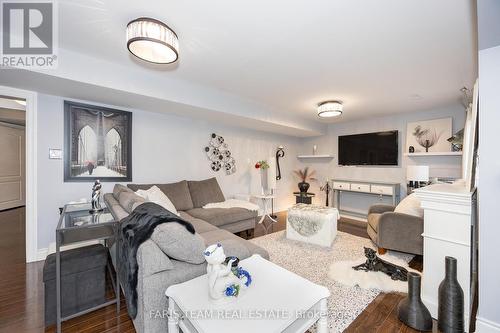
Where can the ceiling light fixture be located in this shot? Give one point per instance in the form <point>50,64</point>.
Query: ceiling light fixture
<point>330,109</point>
<point>152,40</point>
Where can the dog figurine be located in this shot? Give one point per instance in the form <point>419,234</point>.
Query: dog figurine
<point>375,264</point>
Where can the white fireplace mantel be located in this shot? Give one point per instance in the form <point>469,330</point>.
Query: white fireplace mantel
<point>447,232</point>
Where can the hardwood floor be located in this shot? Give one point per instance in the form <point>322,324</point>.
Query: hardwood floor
<point>22,295</point>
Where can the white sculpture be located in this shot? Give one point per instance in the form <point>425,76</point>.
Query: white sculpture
<point>222,283</point>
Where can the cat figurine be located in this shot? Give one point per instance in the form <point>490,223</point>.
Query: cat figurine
<point>220,277</point>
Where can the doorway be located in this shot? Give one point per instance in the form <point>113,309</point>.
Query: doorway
<point>13,179</point>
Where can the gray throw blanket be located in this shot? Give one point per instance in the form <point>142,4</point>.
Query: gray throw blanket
<point>134,230</point>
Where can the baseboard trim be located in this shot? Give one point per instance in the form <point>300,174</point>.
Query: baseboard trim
<point>486,326</point>
<point>42,254</point>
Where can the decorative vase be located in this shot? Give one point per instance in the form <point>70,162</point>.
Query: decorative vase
<point>427,145</point>
<point>263,181</point>
<point>303,187</point>
<point>450,300</point>
<point>411,149</point>
<point>411,310</point>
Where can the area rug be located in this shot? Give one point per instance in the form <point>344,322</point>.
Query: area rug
<point>342,272</point>
<point>312,262</point>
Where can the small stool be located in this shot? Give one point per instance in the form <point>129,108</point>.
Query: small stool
<point>83,280</point>
<point>312,224</point>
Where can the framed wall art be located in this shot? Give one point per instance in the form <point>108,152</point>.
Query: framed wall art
<point>429,136</point>
<point>97,143</point>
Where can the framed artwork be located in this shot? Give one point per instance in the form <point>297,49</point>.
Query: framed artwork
<point>97,143</point>
<point>429,136</point>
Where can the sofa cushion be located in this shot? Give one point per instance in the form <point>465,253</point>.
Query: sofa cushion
<point>129,200</point>
<point>114,207</point>
<point>119,188</point>
<point>178,193</point>
<point>199,225</point>
<point>151,259</point>
<point>154,194</point>
<point>373,220</point>
<point>222,216</point>
<point>410,206</point>
<point>178,243</point>
<point>233,245</point>
<point>205,191</point>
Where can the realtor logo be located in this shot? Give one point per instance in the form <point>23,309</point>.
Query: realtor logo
<point>29,35</point>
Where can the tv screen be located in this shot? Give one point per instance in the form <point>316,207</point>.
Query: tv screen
<point>380,148</point>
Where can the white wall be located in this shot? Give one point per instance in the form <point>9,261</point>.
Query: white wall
<point>165,149</point>
<point>489,190</point>
<point>169,148</point>
<point>440,166</point>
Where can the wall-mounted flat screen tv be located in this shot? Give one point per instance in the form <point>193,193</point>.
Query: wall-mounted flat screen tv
<point>380,148</point>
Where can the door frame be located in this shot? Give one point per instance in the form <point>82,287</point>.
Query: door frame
<point>31,192</point>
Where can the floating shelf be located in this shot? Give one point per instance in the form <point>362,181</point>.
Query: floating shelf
<point>449,153</point>
<point>323,157</point>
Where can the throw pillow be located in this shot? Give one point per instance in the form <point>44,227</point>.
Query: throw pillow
<point>154,194</point>
<point>411,206</point>
<point>178,243</point>
<point>118,189</point>
<point>205,191</point>
<point>178,193</point>
<point>129,201</point>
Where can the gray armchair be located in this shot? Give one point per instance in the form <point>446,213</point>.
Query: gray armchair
<point>395,231</point>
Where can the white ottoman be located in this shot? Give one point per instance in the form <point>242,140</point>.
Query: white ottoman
<point>312,224</point>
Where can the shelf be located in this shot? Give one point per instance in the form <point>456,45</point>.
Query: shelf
<point>449,153</point>
<point>324,157</point>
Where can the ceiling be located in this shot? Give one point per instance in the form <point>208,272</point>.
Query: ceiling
<point>378,57</point>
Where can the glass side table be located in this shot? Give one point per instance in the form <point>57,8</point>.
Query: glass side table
<point>78,224</point>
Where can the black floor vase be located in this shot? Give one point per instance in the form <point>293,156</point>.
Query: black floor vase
<point>451,300</point>
<point>411,310</point>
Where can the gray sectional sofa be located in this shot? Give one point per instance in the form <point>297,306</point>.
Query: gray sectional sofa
<point>157,270</point>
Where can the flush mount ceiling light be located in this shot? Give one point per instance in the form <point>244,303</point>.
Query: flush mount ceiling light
<point>152,40</point>
<point>330,109</point>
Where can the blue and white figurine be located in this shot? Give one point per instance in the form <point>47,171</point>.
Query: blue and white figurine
<point>225,279</point>
<point>222,283</point>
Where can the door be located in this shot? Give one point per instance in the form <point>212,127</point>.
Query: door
<point>12,159</point>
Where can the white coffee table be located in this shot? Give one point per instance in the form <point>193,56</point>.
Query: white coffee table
<point>277,301</point>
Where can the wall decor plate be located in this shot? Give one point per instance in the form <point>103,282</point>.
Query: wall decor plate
<point>219,155</point>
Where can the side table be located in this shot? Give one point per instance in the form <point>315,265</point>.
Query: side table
<point>302,197</point>
<point>78,224</point>
<point>266,201</point>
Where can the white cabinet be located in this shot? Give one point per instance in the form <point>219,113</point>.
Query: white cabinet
<point>447,232</point>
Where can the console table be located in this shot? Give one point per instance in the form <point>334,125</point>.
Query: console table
<point>380,189</point>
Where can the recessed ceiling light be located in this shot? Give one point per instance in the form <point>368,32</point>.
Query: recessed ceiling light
<point>152,40</point>
<point>330,109</point>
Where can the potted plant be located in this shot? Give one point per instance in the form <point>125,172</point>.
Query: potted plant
<point>262,166</point>
<point>305,176</point>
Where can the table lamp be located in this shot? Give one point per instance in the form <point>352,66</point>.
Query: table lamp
<point>416,174</point>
